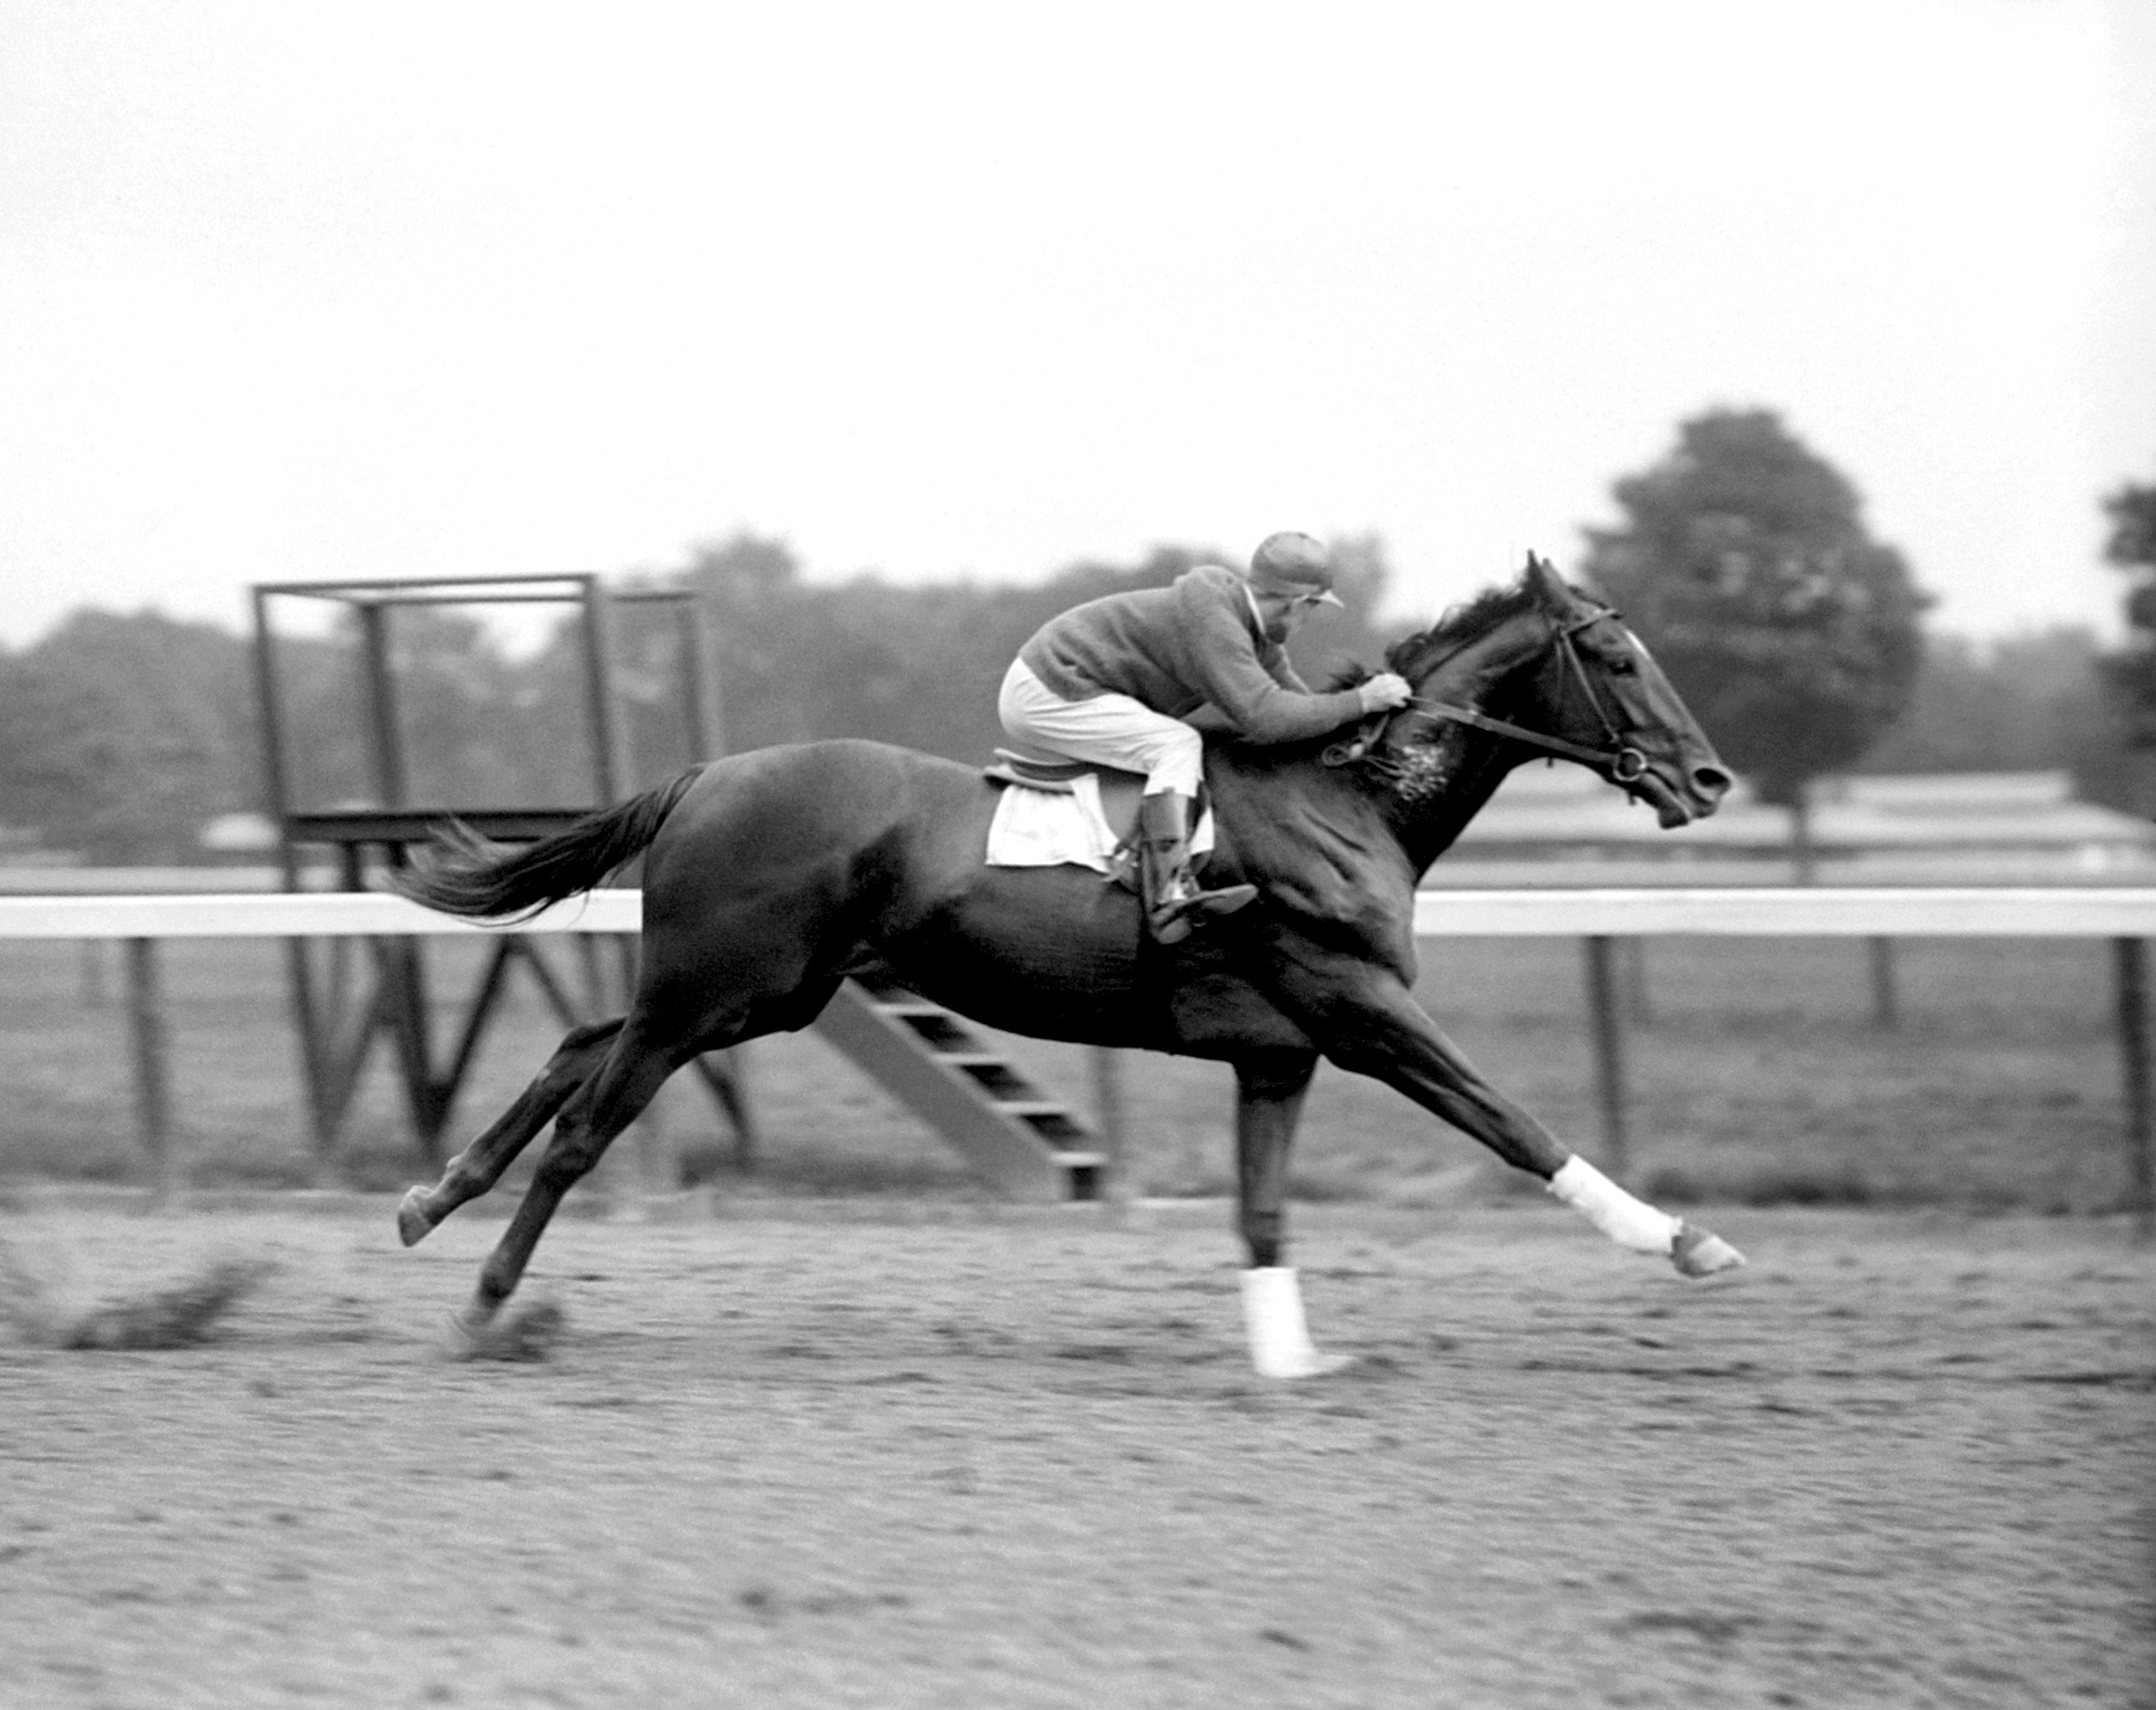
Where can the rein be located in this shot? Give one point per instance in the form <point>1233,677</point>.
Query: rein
<point>1624,762</point>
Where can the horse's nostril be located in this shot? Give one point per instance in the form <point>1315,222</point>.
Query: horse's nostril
<point>1710,781</point>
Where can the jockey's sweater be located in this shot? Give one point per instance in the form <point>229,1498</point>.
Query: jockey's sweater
<point>1177,649</point>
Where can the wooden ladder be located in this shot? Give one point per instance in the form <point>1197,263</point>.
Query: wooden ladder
<point>1013,1133</point>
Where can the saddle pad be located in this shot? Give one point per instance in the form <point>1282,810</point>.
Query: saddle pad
<point>1064,827</point>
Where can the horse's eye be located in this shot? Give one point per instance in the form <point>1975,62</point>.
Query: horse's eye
<point>1623,667</point>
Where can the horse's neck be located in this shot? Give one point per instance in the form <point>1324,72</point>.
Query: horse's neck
<point>1479,767</point>
<point>1484,675</point>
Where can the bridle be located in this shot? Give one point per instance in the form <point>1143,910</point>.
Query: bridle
<point>1624,763</point>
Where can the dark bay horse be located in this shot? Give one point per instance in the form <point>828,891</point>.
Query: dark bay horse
<point>770,876</point>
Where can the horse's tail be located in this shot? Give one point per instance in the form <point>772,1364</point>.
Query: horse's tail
<point>464,874</point>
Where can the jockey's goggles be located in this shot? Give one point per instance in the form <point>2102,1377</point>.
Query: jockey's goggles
<point>1297,594</point>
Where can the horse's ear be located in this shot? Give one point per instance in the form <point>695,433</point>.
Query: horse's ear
<point>1549,587</point>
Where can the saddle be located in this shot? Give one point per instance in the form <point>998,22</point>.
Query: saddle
<point>1118,792</point>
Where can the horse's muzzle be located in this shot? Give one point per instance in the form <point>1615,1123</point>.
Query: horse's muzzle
<point>1709,785</point>
<point>1700,793</point>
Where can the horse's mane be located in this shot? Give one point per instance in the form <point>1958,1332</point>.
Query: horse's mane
<point>1454,629</point>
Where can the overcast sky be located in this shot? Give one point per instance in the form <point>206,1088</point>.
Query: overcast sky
<point>299,291</point>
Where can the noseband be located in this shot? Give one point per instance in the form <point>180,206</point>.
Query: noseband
<point>1622,761</point>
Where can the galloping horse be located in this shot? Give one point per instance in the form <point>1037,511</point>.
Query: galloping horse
<point>770,876</point>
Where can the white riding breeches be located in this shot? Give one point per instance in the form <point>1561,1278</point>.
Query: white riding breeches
<point>1110,730</point>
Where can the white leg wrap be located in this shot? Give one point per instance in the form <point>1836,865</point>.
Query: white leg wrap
<point>1628,1222</point>
<point>1279,1337</point>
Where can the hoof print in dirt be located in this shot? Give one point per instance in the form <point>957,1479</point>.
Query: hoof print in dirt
<point>184,1316</point>
<point>525,1335</point>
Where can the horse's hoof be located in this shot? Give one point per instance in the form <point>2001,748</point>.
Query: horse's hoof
<point>522,1335</point>
<point>462,1336</point>
<point>412,1222</point>
<point>1312,1364</point>
<point>1695,1253</point>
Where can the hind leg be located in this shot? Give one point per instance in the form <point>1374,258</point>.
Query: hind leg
<point>1269,1098</point>
<point>708,1004</point>
<point>608,1102</point>
<point>479,1165</point>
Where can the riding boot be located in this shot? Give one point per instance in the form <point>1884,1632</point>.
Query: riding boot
<point>1173,903</point>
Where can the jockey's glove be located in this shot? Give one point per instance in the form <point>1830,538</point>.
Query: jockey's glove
<point>1384,692</point>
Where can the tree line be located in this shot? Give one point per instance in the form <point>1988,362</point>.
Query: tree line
<point>121,735</point>
<point>1741,556</point>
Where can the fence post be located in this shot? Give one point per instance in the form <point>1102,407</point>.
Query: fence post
<point>2130,958</point>
<point>1639,999</point>
<point>93,973</point>
<point>1602,1002</point>
<point>1886,1007</point>
<point>1111,1114</point>
<point>149,1038</point>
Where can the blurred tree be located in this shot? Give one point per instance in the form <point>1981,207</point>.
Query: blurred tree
<point>121,736</point>
<point>471,740</point>
<point>477,729</point>
<point>2031,702</point>
<point>920,665</point>
<point>917,665</point>
<point>758,604</point>
<point>323,709</point>
<point>1743,560</point>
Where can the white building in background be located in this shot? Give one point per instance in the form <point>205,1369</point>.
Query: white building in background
<point>239,833</point>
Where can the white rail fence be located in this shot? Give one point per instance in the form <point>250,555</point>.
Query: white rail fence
<point>2124,915</point>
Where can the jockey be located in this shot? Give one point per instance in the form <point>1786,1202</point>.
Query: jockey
<point>1111,681</point>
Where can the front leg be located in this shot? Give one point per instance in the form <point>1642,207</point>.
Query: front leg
<point>1364,1018</point>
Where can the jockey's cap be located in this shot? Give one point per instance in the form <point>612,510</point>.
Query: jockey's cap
<point>1294,565</point>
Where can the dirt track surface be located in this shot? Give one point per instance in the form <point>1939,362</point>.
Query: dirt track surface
<point>864,1458</point>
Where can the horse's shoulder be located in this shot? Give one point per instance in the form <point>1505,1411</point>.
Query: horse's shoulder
<point>1275,796</point>
<point>1320,849</point>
